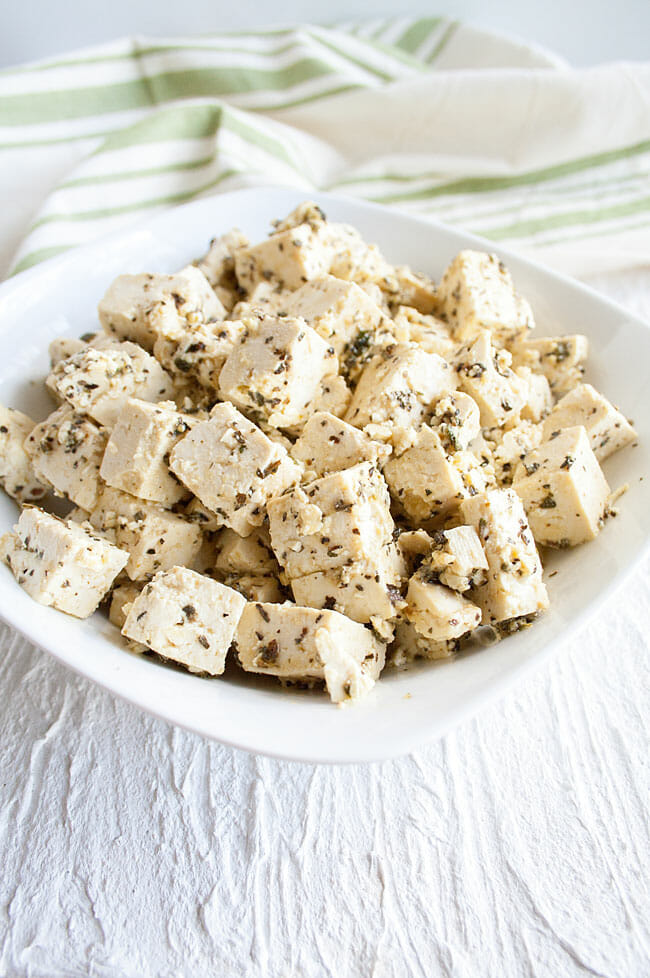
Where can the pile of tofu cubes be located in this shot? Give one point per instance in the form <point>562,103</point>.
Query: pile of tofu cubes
<point>298,454</point>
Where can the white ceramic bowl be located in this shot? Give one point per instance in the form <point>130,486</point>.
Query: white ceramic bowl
<point>407,708</point>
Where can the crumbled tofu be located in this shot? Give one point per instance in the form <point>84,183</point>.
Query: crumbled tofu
<point>514,586</point>
<point>122,597</point>
<point>276,371</point>
<point>457,559</point>
<point>606,427</point>
<point>256,587</point>
<point>129,308</point>
<point>512,447</point>
<point>233,467</point>
<point>457,420</point>
<point>186,617</point>
<point>486,375</point>
<point>137,453</point>
<point>154,538</point>
<point>303,643</point>
<point>197,353</point>
<point>425,481</point>
<point>218,264</point>
<point>289,257</point>
<point>327,444</point>
<point>98,382</point>
<point>246,555</point>
<point>336,309</point>
<point>17,476</point>
<point>60,564</point>
<point>476,292</point>
<point>559,358</point>
<point>66,452</point>
<point>398,386</point>
<point>362,591</point>
<point>563,489</point>
<point>437,612</point>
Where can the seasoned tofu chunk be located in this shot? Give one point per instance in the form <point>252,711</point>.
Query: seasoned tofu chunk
<point>137,453</point>
<point>327,444</point>
<point>131,304</point>
<point>303,643</point>
<point>342,518</point>
<point>607,429</point>
<point>60,564</point>
<point>427,483</point>
<point>457,559</point>
<point>559,358</point>
<point>122,597</point>
<point>512,446</point>
<point>64,346</point>
<point>398,386</point>
<point>362,591</point>
<point>66,452</point>
<point>537,393</point>
<point>563,489</point>
<point>233,468</point>
<point>514,586</point>
<point>457,420</point>
<point>246,555</point>
<point>415,290</point>
<point>485,375</point>
<point>17,476</point>
<point>256,587</point>
<point>336,309</point>
<point>289,257</point>
<point>476,292</point>
<point>186,617</point>
<point>98,382</point>
<point>196,354</point>
<point>218,264</point>
<point>153,538</point>
<point>276,371</point>
<point>410,644</point>
<point>354,260</point>
<point>427,332</point>
<point>437,612</point>
<point>334,396</point>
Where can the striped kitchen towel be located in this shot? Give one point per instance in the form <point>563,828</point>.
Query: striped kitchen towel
<point>426,115</point>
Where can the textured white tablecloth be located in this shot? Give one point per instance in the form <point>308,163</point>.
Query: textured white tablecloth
<point>517,846</point>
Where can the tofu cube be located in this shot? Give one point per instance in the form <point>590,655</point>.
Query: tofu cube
<point>17,476</point>
<point>256,587</point>
<point>425,481</point>
<point>233,468</point>
<point>512,447</point>
<point>409,644</point>
<point>153,538</point>
<point>63,347</point>
<point>128,309</point>
<point>62,565</point>
<point>137,453</point>
<point>457,420</point>
<point>218,264</point>
<point>276,371</point>
<point>334,397</point>
<point>476,292</point>
<point>327,444</point>
<point>196,354</point>
<point>608,430</point>
<point>353,259</point>
<point>303,643</point>
<point>538,395</point>
<point>336,309</point>
<point>289,257</point>
<point>187,618</point>
<point>514,587</point>
<point>340,519</point>
<point>246,555</point>
<point>563,489</point>
<point>437,612</point>
<point>457,559</point>
<point>397,387</point>
<point>66,452</point>
<point>414,290</point>
<point>559,358</point>
<point>98,382</point>
<point>122,597</point>
<point>362,591</point>
<point>486,376</point>
<point>427,332</point>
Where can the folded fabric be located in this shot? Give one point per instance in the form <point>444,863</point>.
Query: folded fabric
<point>427,115</point>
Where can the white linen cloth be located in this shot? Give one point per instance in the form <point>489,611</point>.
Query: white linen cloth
<point>518,845</point>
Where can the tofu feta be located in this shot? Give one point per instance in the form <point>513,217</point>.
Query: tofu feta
<point>409,644</point>
<point>607,429</point>
<point>327,444</point>
<point>276,371</point>
<point>457,559</point>
<point>256,587</point>
<point>485,375</point>
<point>289,257</point>
<point>558,358</point>
<point>233,468</point>
<point>246,555</point>
<point>98,382</point>
<point>437,612</point>
<point>62,565</point>
<point>514,587</point>
<point>137,452</point>
<point>295,643</point>
<point>66,452</point>
<point>218,264</point>
<point>197,354</point>
<point>122,597</point>
<point>476,292</point>
<point>427,332</point>
<point>17,476</point>
<point>512,447</point>
<point>563,489</point>
<point>187,618</point>
<point>457,420</point>
<point>335,309</point>
<point>342,518</point>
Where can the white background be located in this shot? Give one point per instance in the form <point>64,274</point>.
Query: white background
<point>584,31</point>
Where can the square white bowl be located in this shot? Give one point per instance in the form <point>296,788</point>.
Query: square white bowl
<point>406,708</point>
